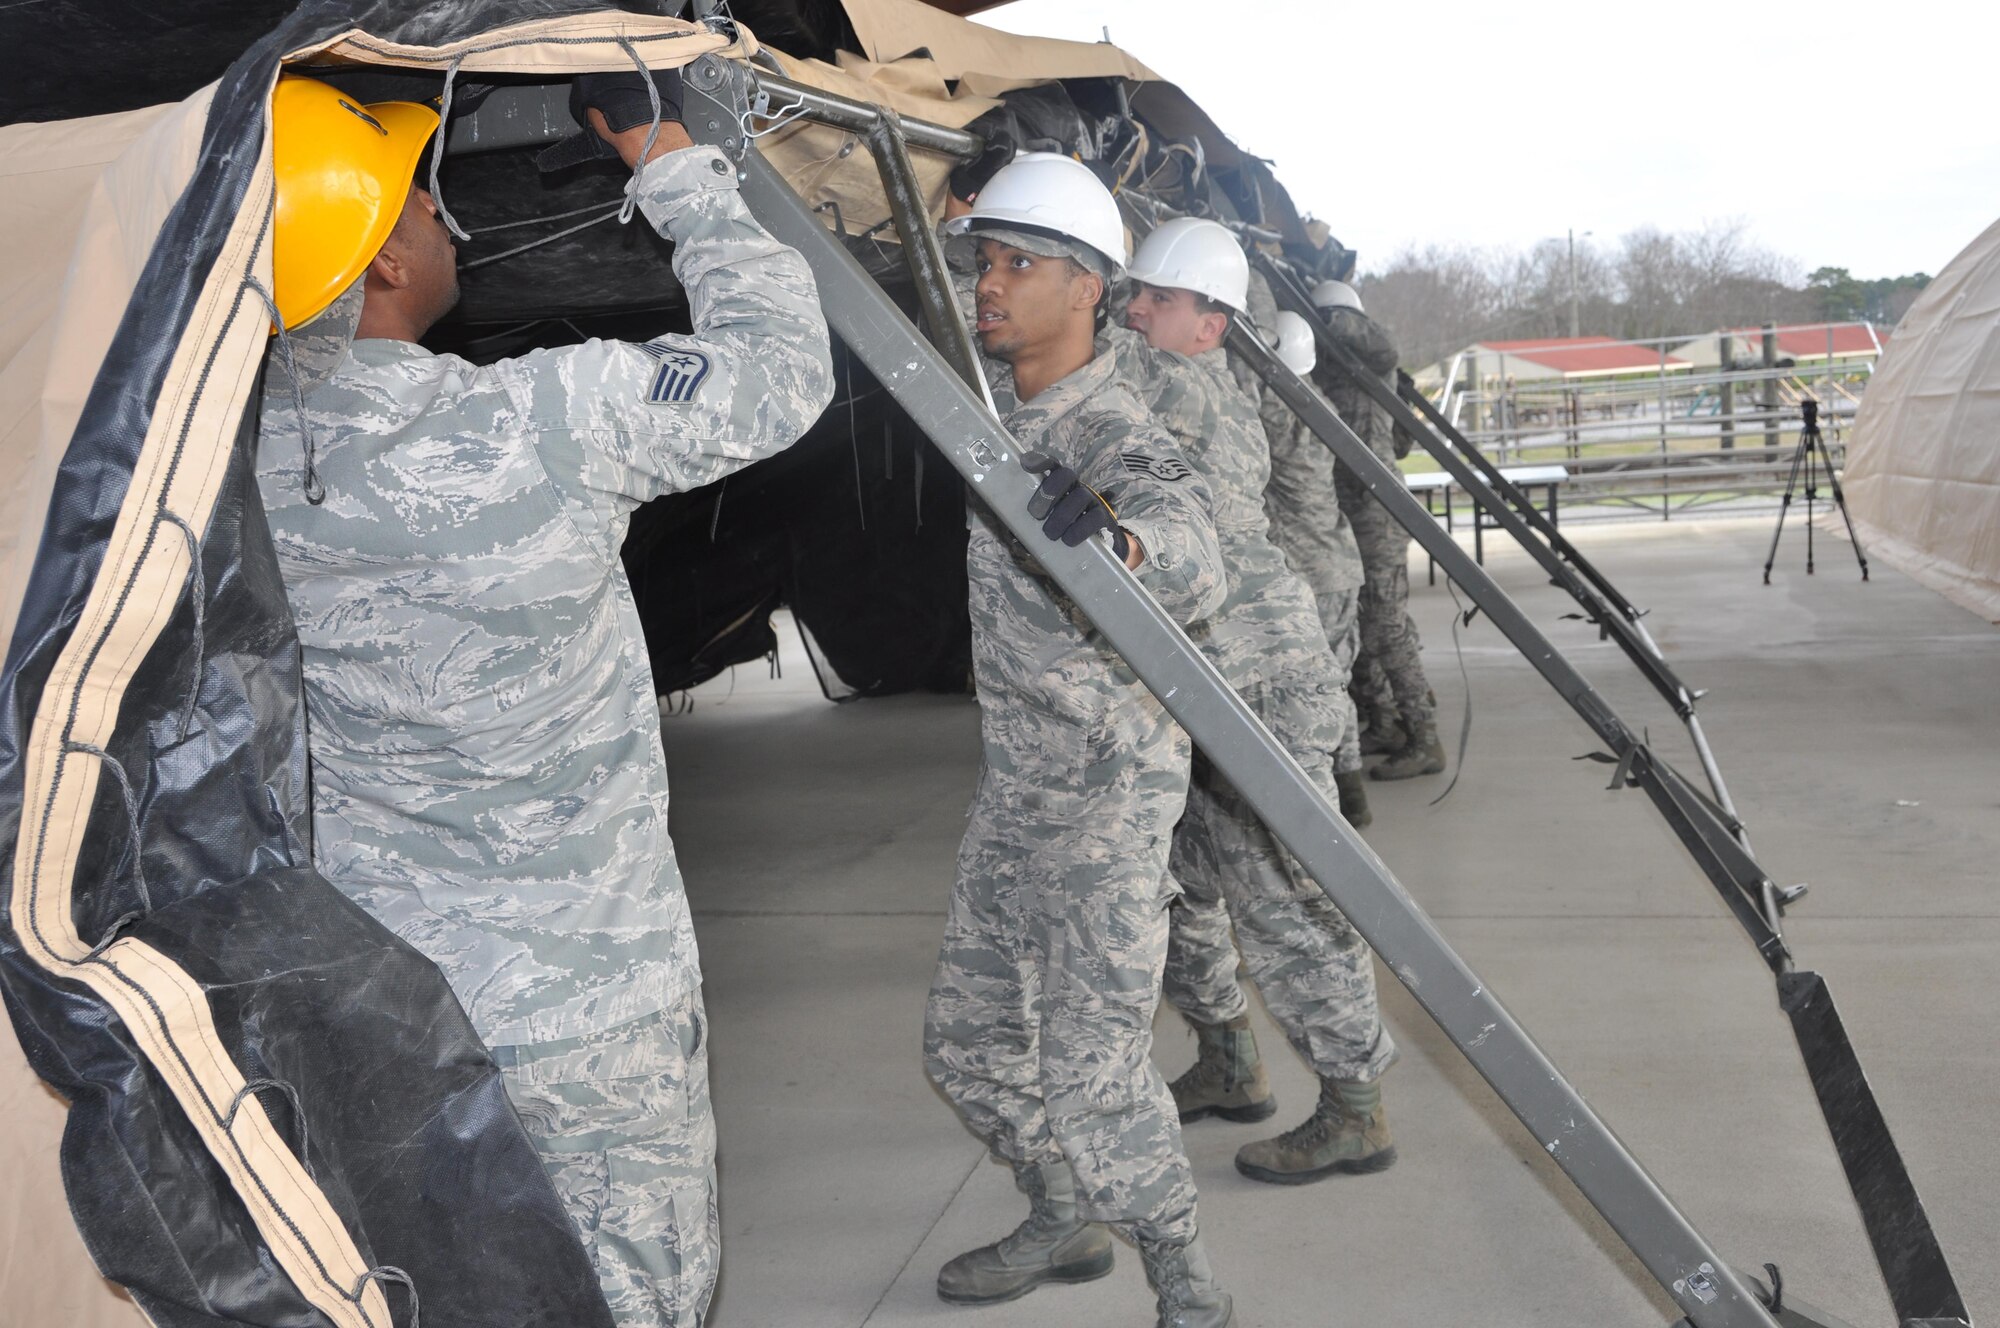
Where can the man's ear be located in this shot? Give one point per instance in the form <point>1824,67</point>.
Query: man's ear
<point>1087,292</point>
<point>1214,326</point>
<point>388,268</point>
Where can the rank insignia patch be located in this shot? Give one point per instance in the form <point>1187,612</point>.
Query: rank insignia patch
<point>680,375</point>
<point>1160,468</point>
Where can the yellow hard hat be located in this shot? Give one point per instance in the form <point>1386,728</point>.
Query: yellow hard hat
<point>344,171</point>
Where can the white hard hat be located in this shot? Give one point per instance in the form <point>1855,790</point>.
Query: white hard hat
<point>1048,192</point>
<point>1189,253</point>
<point>1336,295</point>
<point>1295,343</point>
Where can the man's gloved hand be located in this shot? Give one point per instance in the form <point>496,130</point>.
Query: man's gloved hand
<point>625,105</point>
<point>623,98</point>
<point>1069,509</point>
<point>969,177</point>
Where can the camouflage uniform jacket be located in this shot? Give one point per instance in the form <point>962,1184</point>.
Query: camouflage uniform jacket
<point>1268,629</point>
<point>487,772</point>
<point>1370,345</point>
<point>1031,643</point>
<point>1306,520</point>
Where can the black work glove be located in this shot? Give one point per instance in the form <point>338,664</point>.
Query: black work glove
<point>623,99</point>
<point>969,177</point>
<point>1069,509</point>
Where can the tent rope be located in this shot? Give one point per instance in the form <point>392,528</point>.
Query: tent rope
<point>388,1273</point>
<point>315,490</point>
<point>298,1113</point>
<point>437,150</point>
<point>117,769</point>
<point>652,130</point>
<point>200,596</point>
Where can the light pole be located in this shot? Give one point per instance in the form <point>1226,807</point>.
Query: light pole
<point>1572,281</point>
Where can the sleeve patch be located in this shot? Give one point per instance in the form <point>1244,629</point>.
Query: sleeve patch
<point>680,374</point>
<point>1170,469</point>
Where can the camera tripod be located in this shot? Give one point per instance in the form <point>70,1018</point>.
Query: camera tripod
<point>1812,453</point>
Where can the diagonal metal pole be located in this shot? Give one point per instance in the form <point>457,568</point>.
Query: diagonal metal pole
<point>956,419</point>
<point>1913,1266</point>
<point>1513,512</point>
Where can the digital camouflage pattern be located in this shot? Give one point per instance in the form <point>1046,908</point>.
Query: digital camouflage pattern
<point>487,772</point>
<point>1388,635</point>
<point>1268,627</point>
<point>1307,522</point>
<point>1315,972</point>
<point>1039,1024</point>
<point>623,1123</point>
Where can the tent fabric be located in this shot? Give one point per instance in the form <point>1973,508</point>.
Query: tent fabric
<point>277,1108</point>
<point>1923,465</point>
<point>80,204</point>
<point>986,60</point>
<point>832,169</point>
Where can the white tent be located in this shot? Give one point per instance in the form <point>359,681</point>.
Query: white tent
<point>1923,469</point>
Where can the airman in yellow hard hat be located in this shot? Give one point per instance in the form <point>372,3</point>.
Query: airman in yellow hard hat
<point>344,182</point>
<point>488,780</point>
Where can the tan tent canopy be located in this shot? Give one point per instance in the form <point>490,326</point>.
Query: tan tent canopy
<point>1923,470</point>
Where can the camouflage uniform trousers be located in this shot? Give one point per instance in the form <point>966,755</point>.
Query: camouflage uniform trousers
<point>1341,612</point>
<point>1339,607</point>
<point>1388,634</point>
<point>1316,974</point>
<point>622,1121</point>
<point>1039,1028</point>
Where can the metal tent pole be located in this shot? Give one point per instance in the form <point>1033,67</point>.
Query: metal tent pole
<point>1514,512</point>
<point>1913,1265</point>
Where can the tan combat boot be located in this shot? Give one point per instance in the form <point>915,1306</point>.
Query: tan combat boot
<point>1382,733</point>
<point>1053,1245</point>
<point>1347,1136</point>
<point>1227,1078</point>
<point>1422,755</point>
<point>1354,799</point>
<point>1185,1286</point>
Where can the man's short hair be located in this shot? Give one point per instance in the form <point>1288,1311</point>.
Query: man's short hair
<point>1101,314</point>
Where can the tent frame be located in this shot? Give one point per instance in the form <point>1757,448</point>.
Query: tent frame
<point>943,392</point>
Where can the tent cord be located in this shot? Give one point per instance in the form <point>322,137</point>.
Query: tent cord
<point>315,490</point>
<point>652,131</point>
<point>437,150</point>
<point>298,1113</point>
<point>117,769</point>
<point>388,1273</point>
<point>610,211</point>
<point>1465,723</point>
<point>200,596</point>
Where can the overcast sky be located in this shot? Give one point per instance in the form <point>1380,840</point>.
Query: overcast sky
<point>1863,136</point>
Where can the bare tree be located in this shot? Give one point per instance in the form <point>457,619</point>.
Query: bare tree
<point>1435,301</point>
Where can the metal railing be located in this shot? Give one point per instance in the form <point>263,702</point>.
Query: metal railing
<point>1669,436</point>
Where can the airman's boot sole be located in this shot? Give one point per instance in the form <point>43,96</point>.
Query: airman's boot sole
<point>1418,759</point>
<point>1347,1166</point>
<point>1247,1114</point>
<point>1080,1270</point>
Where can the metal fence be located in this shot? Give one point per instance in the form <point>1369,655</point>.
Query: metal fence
<point>1711,428</point>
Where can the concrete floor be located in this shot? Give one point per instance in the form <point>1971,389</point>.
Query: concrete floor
<point>1856,725</point>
